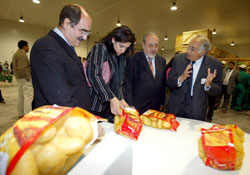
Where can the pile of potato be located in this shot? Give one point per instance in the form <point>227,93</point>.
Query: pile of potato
<point>217,137</point>
<point>58,148</point>
<point>155,122</point>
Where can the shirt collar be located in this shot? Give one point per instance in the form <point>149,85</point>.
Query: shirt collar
<point>61,34</point>
<point>153,58</point>
<point>199,61</point>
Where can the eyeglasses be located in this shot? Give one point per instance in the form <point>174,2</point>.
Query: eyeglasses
<point>85,32</point>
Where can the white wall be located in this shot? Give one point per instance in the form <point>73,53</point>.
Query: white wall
<point>11,32</point>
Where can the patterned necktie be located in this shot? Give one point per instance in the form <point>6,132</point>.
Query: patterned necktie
<point>151,65</point>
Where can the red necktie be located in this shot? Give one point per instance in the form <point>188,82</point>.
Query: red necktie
<point>151,65</point>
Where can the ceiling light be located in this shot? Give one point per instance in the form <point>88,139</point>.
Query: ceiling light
<point>162,48</point>
<point>21,19</point>
<point>166,37</point>
<point>232,44</point>
<point>118,24</point>
<point>174,7</point>
<point>214,32</point>
<point>36,1</point>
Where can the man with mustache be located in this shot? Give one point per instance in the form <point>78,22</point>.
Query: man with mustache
<point>57,72</point>
<point>145,77</point>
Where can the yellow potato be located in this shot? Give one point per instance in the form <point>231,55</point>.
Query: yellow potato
<point>69,145</point>
<point>146,121</point>
<point>71,160</point>
<point>159,124</point>
<point>26,165</point>
<point>153,119</point>
<point>47,135</point>
<point>61,132</point>
<point>166,124</point>
<point>154,124</point>
<point>36,148</point>
<point>50,160</point>
<point>79,127</point>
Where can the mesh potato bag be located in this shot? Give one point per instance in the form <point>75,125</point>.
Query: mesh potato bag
<point>129,124</point>
<point>159,120</point>
<point>48,140</point>
<point>221,147</point>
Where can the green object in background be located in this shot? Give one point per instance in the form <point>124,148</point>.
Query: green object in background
<point>9,79</point>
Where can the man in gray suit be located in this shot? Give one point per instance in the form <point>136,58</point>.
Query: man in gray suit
<point>230,78</point>
<point>193,77</point>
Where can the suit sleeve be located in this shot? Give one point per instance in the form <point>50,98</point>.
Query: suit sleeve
<point>129,81</point>
<point>95,59</point>
<point>172,81</point>
<point>216,86</point>
<point>48,71</point>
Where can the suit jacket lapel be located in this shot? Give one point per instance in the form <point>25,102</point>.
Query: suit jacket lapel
<point>67,48</point>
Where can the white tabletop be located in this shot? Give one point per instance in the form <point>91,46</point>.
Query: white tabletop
<point>156,152</point>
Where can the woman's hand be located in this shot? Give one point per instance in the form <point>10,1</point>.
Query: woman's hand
<point>124,104</point>
<point>115,106</point>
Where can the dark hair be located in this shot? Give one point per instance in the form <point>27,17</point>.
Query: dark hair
<point>22,43</point>
<point>231,62</point>
<point>73,12</point>
<point>121,34</point>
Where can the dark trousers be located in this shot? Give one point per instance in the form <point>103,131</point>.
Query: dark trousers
<point>1,97</point>
<point>211,107</point>
<point>226,96</point>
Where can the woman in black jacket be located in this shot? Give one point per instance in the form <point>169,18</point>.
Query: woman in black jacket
<point>105,71</point>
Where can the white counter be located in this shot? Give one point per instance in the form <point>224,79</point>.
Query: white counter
<point>157,151</point>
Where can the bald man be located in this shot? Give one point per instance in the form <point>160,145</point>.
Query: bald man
<point>145,77</point>
<point>57,72</point>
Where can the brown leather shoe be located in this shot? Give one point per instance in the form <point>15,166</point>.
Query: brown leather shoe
<point>3,102</point>
<point>224,110</point>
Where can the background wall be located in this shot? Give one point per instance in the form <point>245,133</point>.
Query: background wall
<point>11,32</point>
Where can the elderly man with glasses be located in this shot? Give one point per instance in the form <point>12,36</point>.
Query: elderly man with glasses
<point>193,77</point>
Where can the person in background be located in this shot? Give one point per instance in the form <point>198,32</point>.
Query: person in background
<point>6,65</point>
<point>107,97</point>
<point>194,76</point>
<point>168,90</point>
<point>21,68</point>
<point>231,77</point>
<point>145,77</point>
<point>1,98</point>
<point>240,89</point>
<point>57,72</point>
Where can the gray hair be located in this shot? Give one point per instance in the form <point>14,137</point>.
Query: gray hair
<point>205,43</point>
<point>147,34</point>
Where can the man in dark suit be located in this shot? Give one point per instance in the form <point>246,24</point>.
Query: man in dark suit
<point>57,72</point>
<point>145,77</point>
<point>193,77</point>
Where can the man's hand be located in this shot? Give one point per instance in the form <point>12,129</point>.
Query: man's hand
<point>186,73</point>
<point>210,77</point>
<point>115,106</point>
